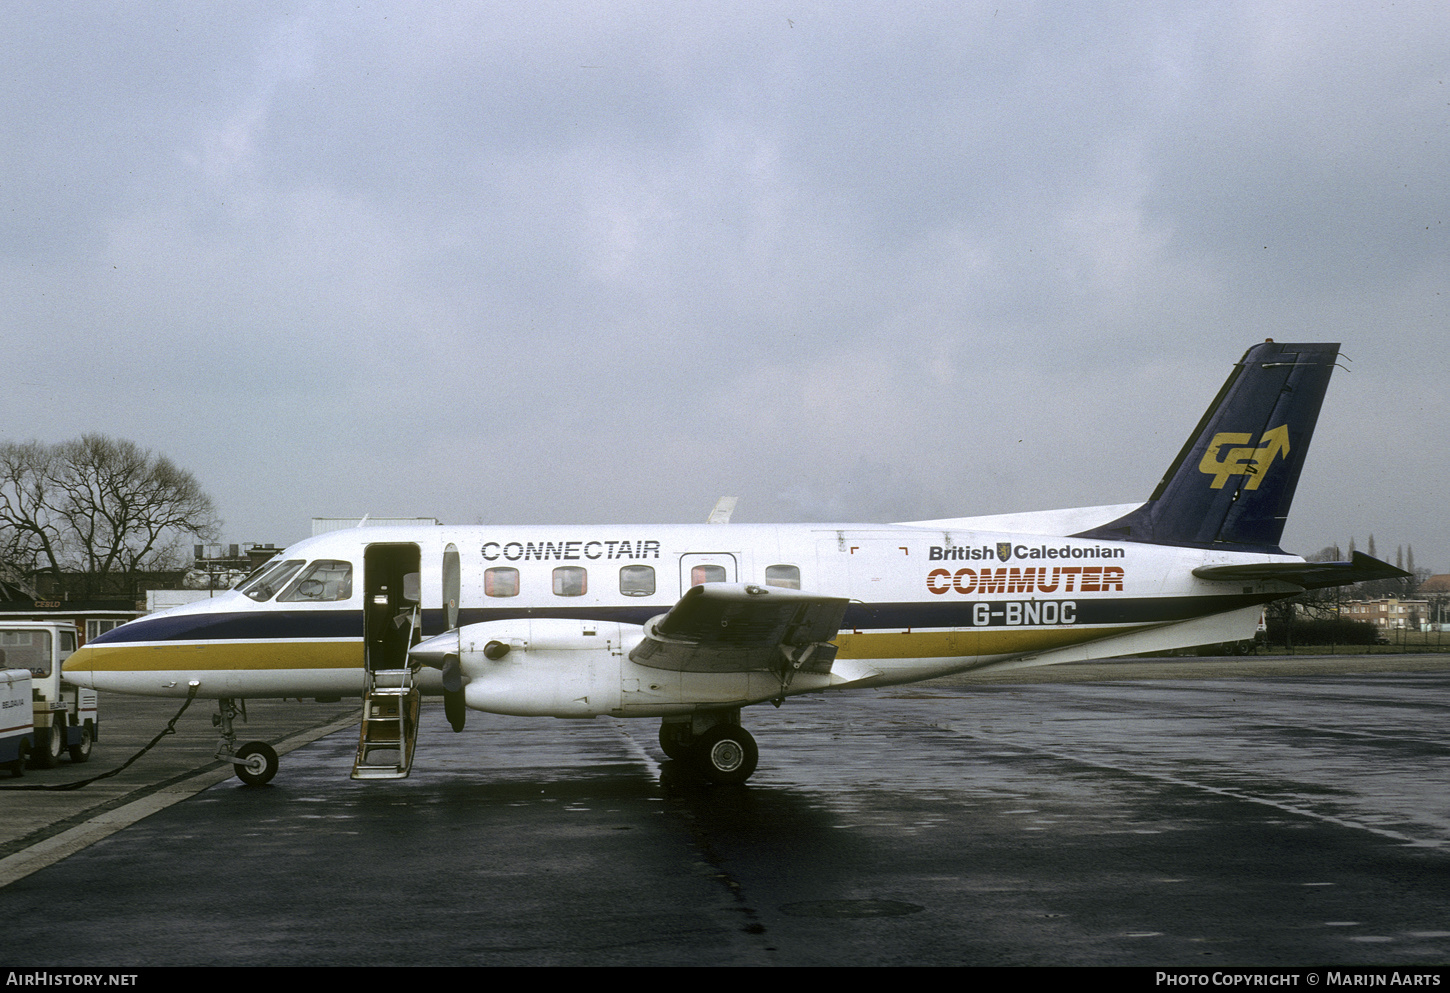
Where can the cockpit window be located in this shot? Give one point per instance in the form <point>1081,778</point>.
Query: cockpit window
<point>257,572</point>
<point>323,581</point>
<point>268,583</point>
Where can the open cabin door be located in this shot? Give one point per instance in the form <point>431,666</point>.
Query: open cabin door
<point>392,610</point>
<point>391,584</point>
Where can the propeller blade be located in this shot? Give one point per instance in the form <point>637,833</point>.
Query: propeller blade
<point>441,652</point>
<point>452,675</point>
<point>454,709</point>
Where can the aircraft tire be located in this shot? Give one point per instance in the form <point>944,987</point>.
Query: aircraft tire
<point>676,741</point>
<point>82,751</point>
<point>726,754</point>
<point>259,763</point>
<point>50,743</point>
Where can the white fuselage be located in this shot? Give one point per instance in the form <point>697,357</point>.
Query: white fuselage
<point>927,599</point>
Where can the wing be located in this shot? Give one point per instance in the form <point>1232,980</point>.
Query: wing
<point>1310,575</point>
<point>732,627</point>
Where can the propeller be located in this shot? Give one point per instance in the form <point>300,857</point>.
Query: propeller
<point>442,651</point>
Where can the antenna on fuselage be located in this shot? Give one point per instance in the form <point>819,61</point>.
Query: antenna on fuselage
<point>724,507</point>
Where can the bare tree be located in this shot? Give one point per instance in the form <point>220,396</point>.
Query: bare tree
<point>101,509</point>
<point>30,536</point>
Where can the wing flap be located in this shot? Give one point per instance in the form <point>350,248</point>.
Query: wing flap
<point>730,627</point>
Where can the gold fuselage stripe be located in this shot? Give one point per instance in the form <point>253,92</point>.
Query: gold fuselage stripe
<point>966,643</point>
<point>203,656</point>
<point>219,655</point>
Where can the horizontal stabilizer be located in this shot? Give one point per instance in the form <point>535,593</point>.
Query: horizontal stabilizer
<point>1310,575</point>
<point>731,627</point>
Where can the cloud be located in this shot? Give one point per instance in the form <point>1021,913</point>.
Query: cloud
<point>611,261</point>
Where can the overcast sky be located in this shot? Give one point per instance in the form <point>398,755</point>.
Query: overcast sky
<point>548,263</point>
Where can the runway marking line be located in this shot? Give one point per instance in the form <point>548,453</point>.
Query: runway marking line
<point>49,851</point>
<point>1232,794</point>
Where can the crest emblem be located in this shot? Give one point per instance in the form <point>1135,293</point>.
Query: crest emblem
<point>1004,550</point>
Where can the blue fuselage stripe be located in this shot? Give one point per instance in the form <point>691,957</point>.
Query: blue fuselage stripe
<point>289,625</point>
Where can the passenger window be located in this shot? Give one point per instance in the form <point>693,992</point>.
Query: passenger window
<point>571,580</point>
<point>637,580</point>
<point>702,574</point>
<point>786,576</point>
<point>325,581</point>
<point>502,581</point>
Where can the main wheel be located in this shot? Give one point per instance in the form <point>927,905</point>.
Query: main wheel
<point>258,765</point>
<point>726,754</point>
<point>675,740</point>
<point>49,743</point>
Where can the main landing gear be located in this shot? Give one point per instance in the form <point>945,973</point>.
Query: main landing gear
<point>256,761</point>
<point>714,744</point>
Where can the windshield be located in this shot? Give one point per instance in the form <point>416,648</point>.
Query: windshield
<point>271,580</point>
<point>257,572</point>
<point>326,579</point>
<point>26,650</point>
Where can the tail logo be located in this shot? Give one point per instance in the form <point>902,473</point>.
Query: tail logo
<point>1251,462</point>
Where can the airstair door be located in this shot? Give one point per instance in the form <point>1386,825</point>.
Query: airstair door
<point>392,619</point>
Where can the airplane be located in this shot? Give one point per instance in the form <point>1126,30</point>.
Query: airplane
<point>691,623</point>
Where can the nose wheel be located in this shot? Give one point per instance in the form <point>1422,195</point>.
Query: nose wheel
<point>256,761</point>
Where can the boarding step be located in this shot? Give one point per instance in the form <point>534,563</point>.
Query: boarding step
<point>389,729</point>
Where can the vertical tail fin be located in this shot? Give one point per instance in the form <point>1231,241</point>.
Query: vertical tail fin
<point>1231,485</point>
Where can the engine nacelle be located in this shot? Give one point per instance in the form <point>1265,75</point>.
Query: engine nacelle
<point>566,667</point>
<point>535,667</point>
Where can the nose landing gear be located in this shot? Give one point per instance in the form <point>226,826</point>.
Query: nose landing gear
<point>256,761</point>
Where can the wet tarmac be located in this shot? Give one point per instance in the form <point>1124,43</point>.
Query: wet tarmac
<point>1267,820</point>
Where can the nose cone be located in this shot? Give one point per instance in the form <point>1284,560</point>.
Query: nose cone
<point>136,657</point>
<point>79,669</point>
<point>435,650</point>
